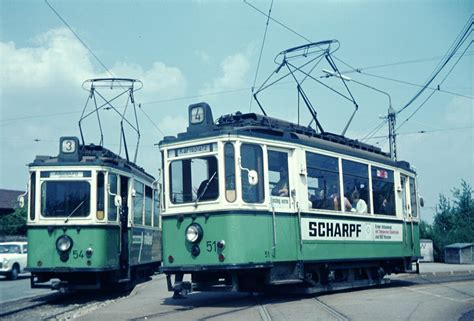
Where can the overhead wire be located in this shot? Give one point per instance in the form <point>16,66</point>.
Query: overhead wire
<point>405,62</point>
<point>416,85</point>
<point>91,52</point>
<point>433,92</point>
<point>276,21</point>
<point>448,56</point>
<point>427,131</point>
<point>79,38</point>
<point>260,55</point>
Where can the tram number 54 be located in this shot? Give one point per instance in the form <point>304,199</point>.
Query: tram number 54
<point>77,254</point>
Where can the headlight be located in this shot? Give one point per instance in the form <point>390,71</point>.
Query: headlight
<point>194,233</point>
<point>63,243</point>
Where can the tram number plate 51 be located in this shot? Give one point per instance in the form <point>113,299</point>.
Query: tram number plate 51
<point>211,246</point>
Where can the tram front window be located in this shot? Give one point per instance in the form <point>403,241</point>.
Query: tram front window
<point>194,179</point>
<point>252,159</point>
<point>65,199</point>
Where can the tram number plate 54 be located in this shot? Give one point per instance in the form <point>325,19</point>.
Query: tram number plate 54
<point>77,254</point>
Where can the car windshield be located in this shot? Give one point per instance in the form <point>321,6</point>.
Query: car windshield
<point>10,248</point>
<point>65,199</point>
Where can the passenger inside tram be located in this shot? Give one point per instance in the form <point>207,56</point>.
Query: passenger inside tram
<point>281,187</point>
<point>358,204</point>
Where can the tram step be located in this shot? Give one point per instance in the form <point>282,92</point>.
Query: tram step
<point>286,281</point>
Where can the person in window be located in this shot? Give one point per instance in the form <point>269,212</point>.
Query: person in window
<point>209,188</point>
<point>358,204</point>
<point>336,200</point>
<point>319,200</point>
<point>210,192</point>
<point>281,188</point>
<point>384,207</point>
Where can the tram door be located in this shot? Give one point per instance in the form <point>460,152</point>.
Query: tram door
<point>404,194</point>
<point>124,253</point>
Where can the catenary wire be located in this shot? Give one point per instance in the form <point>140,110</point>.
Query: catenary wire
<point>260,55</point>
<point>426,131</point>
<point>277,22</point>
<point>79,38</point>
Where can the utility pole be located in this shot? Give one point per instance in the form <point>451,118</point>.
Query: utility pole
<point>391,115</point>
<point>392,135</point>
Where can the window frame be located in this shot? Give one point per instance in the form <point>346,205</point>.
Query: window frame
<point>214,155</point>
<point>91,196</point>
<point>262,197</point>
<point>135,217</point>
<point>319,168</point>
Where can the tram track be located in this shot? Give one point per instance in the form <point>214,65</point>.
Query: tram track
<point>262,309</point>
<point>333,312</point>
<point>17,306</point>
<point>55,306</point>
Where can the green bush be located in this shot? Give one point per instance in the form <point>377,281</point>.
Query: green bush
<point>14,223</point>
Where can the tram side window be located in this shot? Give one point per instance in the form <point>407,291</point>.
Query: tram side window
<point>192,179</point>
<point>138,203</point>
<point>323,181</point>
<point>252,159</point>
<point>112,209</point>
<point>356,186</point>
<point>278,173</point>
<point>383,191</point>
<point>32,207</point>
<point>229,164</point>
<point>414,207</point>
<point>156,209</point>
<point>100,196</point>
<point>148,204</point>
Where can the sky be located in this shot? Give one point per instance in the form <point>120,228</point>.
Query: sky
<point>190,51</point>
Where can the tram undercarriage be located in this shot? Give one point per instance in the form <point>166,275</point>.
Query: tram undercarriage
<point>86,280</point>
<point>290,277</point>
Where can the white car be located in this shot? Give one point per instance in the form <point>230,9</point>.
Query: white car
<point>13,259</point>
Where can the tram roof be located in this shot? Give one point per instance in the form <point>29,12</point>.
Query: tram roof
<point>256,125</point>
<point>90,155</point>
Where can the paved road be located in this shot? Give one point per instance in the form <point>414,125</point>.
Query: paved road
<point>405,299</point>
<point>18,289</point>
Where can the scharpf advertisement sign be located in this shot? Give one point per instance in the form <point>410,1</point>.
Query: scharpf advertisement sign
<point>344,230</point>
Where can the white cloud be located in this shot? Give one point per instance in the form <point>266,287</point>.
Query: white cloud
<point>59,59</point>
<point>171,125</point>
<point>44,78</point>
<point>234,71</point>
<point>160,81</point>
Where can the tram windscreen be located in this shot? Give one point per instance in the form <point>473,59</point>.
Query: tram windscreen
<point>65,199</point>
<point>194,179</point>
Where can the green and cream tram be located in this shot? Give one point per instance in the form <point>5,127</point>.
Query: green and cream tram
<point>252,203</point>
<point>93,219</point>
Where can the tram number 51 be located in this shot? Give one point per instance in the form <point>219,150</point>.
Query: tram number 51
<point>77,254</point>
<point>211,246</point>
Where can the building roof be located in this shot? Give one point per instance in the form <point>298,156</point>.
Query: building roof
<point>9,198</point>
<point>458,245</point>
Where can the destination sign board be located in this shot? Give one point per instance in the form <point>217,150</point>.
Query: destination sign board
<point>190,150</point>
<point>65,174</point>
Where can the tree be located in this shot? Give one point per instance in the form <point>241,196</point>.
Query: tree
<point>14,223</point>
<point>426,230</point>
<point>453,221</point>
